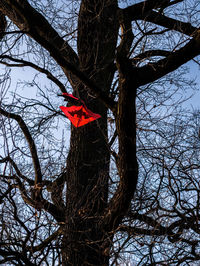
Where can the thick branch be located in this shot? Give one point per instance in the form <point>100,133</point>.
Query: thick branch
<point>18,172</point>
<point>23,15</point>
<point>148,54</point>
<point>23,63</point>
<point>134,231</point>
<point>158,229</point>
<point>32,22</point>
<point>3,24</point>
<point>169,23</point>
<point>56,212</point>
<point>28,20</point>
<point>45,242</point>
<point>4,195</point>
<point>143,11</point>
<point>154,71</point>
<point>41,203</point>
<point>31,143</point>
<point>126,35</point>
<point>126,130</point>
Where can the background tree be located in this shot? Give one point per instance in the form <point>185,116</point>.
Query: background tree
<point>126,188</point>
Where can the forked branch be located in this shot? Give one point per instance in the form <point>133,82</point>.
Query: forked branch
<point>31,143</point>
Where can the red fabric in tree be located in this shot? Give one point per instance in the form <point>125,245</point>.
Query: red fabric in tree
<point>65,94</point>
<point>78,115</point>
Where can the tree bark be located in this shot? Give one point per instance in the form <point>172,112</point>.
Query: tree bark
<point>85,243</point>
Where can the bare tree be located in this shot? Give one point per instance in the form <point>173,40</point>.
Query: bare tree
<point>126,187</point>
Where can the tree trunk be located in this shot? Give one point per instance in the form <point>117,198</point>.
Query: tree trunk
<point>84,242</point>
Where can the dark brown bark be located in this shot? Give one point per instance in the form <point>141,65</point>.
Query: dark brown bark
<point>89,156</point>
<point>3,24</point>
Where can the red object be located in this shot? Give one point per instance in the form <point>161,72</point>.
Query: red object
<point>70,96</point>
<point>78,115</point>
